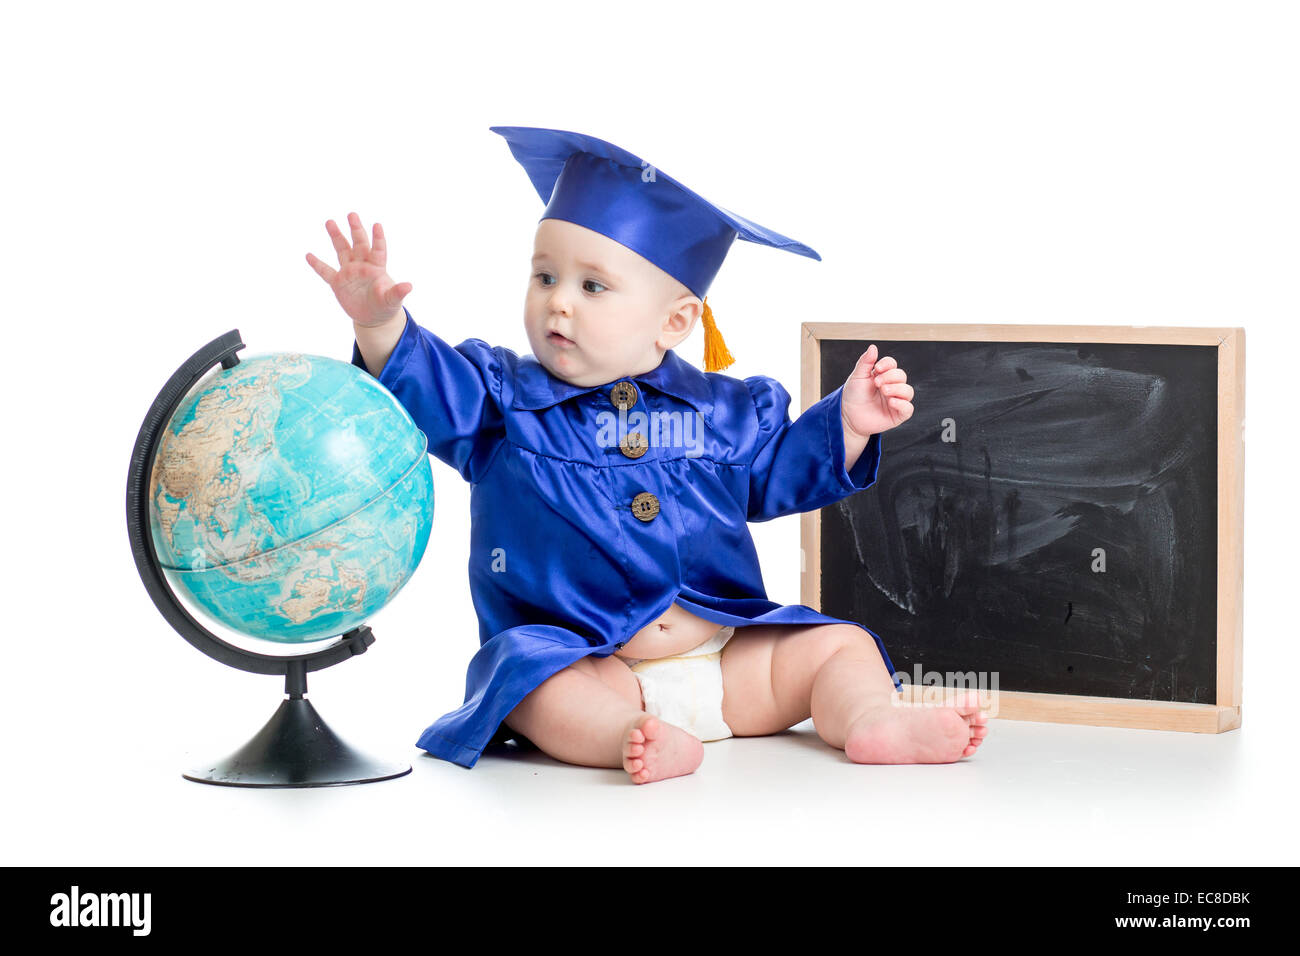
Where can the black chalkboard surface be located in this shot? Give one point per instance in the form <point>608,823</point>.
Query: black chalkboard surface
<point>1049,515</point>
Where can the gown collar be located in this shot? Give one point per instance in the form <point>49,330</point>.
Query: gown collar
<point>537,388</point>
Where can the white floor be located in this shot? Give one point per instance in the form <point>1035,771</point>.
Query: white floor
<point>1034,793</point>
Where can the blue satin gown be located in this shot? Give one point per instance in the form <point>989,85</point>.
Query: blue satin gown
<point>580,536</point>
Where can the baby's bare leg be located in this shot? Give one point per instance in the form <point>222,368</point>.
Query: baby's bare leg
<point>591,714</point>
<point>581,715</point>
<point>776,676</point>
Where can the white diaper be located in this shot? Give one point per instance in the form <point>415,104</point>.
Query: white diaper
<point>686,690</point>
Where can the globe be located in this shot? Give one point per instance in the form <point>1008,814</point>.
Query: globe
<point>291,497</point>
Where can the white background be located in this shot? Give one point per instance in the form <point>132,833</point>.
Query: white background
<point>167,167</point>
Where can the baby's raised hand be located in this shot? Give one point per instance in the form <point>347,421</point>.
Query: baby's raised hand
<point>361,283</point>
<point>876,397</point>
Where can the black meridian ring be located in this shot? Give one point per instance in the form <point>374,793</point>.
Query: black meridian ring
<point>355,641</point>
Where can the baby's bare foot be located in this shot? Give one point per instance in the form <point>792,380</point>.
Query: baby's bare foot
<point>653,750</point>
<point>918,733</point>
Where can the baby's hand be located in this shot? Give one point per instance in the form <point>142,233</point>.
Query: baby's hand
<point>876,397</point>
<point>361,283</point>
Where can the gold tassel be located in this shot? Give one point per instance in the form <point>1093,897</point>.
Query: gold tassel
<point>716,356</point>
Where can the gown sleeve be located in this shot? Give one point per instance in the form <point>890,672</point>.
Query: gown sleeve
<point>453,394</point>
<point>799,465</point>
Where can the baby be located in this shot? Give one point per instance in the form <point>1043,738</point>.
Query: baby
<point>614,635</point>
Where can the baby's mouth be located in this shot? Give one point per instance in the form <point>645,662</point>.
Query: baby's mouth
<point>558,340</point>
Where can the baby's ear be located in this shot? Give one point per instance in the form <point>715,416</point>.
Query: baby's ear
<point>683,313</point>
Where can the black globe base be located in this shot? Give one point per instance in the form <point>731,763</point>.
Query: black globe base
<point>296,749</point>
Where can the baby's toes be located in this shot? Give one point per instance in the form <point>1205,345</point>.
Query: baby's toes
<point>634,743</point>
<point>975,730</point>
<point>977,735</point>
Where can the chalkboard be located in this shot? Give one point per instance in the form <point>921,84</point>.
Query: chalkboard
<point>1049,515</point>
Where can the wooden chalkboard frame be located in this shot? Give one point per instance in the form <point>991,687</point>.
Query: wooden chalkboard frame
<point>1225,713</point>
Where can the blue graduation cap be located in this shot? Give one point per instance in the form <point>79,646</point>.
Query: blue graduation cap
<point>603,187</point>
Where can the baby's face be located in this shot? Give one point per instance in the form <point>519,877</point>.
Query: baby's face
<point>596,311</point>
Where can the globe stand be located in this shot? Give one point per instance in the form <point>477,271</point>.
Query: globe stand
<point>295,748</point>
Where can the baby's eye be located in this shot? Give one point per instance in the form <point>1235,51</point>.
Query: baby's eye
<point>587,284</point>
<point>544,277</point>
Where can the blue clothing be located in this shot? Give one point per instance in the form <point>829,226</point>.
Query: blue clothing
<point>560,566</point>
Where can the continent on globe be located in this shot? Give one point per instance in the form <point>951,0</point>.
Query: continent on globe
<point>291,497</point>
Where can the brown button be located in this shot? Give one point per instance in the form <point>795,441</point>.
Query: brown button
<point>623,395</point>
<point>633,445</point>
<point>645,506</point>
